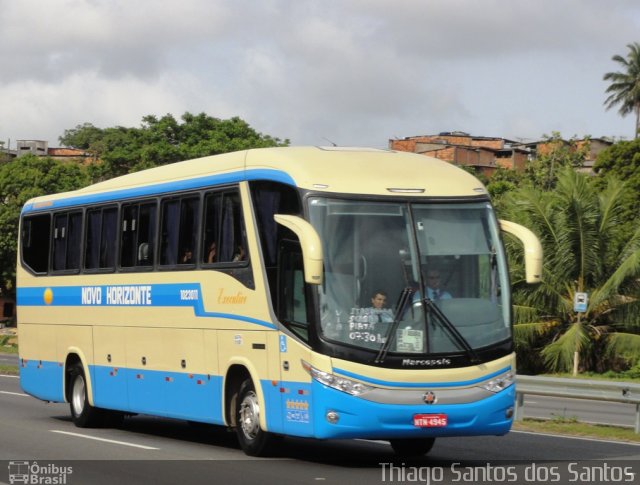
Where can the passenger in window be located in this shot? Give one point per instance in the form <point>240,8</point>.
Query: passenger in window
<point>211,253</point>
<point>240,254</point>
<point>187,257</point>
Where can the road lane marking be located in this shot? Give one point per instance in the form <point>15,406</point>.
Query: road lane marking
<point>123,443</point>
<point>584,438</point>
<point>7,375</point>
<point>15,393</point>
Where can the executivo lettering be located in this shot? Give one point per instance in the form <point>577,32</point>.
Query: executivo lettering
<point>237,299</point>
<point>425,362</point>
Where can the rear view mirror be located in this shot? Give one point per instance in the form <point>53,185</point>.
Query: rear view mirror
<point>310,243</point>
<point>532,249</point>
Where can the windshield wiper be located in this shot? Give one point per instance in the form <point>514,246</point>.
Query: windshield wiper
<point>451,328</point>
<point>404,299</point>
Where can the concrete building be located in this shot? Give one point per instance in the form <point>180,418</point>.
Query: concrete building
<point>483,153</point>
<point>41,148</point>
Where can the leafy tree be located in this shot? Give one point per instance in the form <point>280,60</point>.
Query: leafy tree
<point>624,90</point>
<point>553,154</point>
<point>21,179</point>
<point>576,225</point>
<point>622,159</point>
<point>160,141</point>
<point>503,181</point>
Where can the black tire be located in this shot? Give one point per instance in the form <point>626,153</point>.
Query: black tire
<point>253,440</point>
<point>83,414</point>
<point>412,446</point>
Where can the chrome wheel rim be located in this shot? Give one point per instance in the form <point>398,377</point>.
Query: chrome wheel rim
<point>77,395</point>
<point>250,416</point>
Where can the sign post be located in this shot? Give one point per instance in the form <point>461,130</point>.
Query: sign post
<point>580,302</point>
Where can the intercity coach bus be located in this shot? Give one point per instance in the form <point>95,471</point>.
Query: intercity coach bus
<point>237,290</point>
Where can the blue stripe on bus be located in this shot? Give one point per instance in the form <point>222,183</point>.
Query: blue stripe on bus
<point>293,408</point>
<point>196,397</point>
<point>163,188</point>
<point>370,380</point>
<point>180,395</point>
<point>42,379</point>
<point>159,295</point>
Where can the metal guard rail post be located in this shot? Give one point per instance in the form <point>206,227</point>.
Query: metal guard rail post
<point>594,390</point>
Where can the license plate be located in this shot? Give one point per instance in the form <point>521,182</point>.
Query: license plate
<point>430,420</point>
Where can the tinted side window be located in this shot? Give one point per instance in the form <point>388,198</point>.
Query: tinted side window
<point>36,231</point>
<point>224,233</point>
<point>67,238</point>
<point>292,309</point>
<point>138,234</point>
<point>102,229</point>
<point>179,231</point>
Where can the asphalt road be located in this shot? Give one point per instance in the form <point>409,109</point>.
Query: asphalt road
<point>9,359</point>
<point>595,412</point>
<point>152,450</point>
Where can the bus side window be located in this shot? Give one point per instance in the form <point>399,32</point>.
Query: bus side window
<point>292,301</point>
<point>102,231</point>
<point>224,234</point>
<point>138,234</point>
<point>179,233</point>
<point>36,231</point>
<point>67,237</point>
<point>146,233</point>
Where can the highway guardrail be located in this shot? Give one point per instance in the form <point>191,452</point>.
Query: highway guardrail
<point>594,390</point>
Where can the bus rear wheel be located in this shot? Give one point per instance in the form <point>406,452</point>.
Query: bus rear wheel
<point>253,440</point>
<point>83,414</point>
<point>412,446</point>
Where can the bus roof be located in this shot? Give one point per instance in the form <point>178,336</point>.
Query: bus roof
<point>325,169</point>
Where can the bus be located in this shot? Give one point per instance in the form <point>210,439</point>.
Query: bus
<point>237,290</point>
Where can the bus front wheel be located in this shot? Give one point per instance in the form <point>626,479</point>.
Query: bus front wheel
<point>253,439</point>
<point>412,446</point>
<point>83,414</point>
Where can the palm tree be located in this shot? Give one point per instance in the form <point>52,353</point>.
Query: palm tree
<point>586,250</point>
<point>624,89</point>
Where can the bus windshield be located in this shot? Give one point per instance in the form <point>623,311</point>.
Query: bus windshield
<point>446,256</point>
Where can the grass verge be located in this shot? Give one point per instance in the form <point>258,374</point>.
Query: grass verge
<point>9,370</point>
<point>8,344</point>
<point>571,427</point>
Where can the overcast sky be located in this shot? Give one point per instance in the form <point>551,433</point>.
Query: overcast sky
<point>356,72</point>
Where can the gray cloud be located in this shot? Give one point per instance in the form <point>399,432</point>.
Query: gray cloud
<point>353,71</point>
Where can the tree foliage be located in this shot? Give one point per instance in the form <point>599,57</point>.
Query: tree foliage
<point>159,141</point>
<point>624,90</point>
<point>21,179</point>
<point>554,153</point>
<point>622,159</point>
<point>541,173</point>
<point>578,226</point>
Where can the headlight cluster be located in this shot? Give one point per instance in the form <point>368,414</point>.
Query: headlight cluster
<point>340,383</point>
<point>499,383</point>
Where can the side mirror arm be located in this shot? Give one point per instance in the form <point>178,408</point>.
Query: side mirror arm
<point>532,249</point>
<point>310,243</point>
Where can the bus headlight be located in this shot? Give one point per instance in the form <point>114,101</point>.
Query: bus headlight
<point>499,383</point>
<point>343,384</point>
